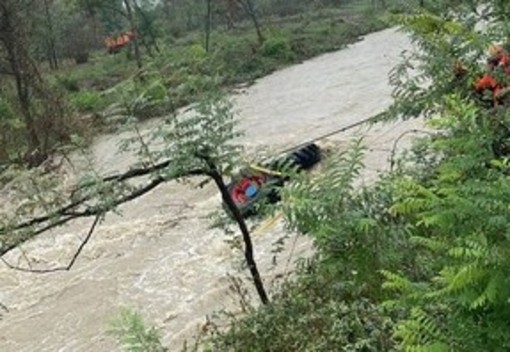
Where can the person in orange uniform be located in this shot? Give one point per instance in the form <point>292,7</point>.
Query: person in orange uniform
<point>496,82</point>
<point>498,63</point>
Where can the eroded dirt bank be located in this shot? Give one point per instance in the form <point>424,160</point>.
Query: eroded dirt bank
<point>160,257</point>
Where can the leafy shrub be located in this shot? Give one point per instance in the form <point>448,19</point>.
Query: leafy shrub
<point>69,83</point>
<point>152,101</point>
<point>197,52</point>
<point>11,130</point>
<point>312,314</point>
<point>455,222</point>
<point>6,111</point>
<point>88,101</point>
<point>279,48</point>
<point>134,336</point>
<point>156,92</point>
<point>231,53</point>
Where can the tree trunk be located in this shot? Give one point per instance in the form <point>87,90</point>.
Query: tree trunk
<point>249,8</point>
<point>129,12</point>
<point>52,57</point>
<point>43,121</point>
<point>230,13</point>
<point>248,245</point>
<point>208,25</point>
<point>21,68</point>
<point>153,43</point>
<point>22,89</point>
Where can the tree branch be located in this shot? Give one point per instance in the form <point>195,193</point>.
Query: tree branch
<point>70,212</point>
<point>397,141</point>
<point>66,210</point>
<point>63,268</point>
<point>216,175</point>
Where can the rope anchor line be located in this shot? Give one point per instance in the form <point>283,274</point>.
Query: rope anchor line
<point>332,133</point>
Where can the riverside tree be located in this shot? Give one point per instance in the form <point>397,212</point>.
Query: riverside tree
<point>41,110</point>
<point>199,144</point>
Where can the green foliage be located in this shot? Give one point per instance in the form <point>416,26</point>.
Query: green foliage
<point>208,131</point>
<point>146,99</point>
<point>416,262</point>
<point>352,228</point>
<point>310,315</point>
<point>134,336</point>
<point>68,82</point>
<point>460,220</point>
<point>458,216</point>
<point>278,48</point>
<point>6,111</point>
<point>313,37</point>
<point>333,305</point>
<point>88,101</point>
<point>424,76</point>
<point>10,129</point>
<point>183,75</point>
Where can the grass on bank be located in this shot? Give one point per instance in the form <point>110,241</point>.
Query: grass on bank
<point>185,71</point>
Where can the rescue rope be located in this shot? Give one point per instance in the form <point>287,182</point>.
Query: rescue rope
<point>332,133</point>
<point>268,223</point>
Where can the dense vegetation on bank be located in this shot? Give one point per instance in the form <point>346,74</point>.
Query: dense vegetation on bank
<point>183,51</point>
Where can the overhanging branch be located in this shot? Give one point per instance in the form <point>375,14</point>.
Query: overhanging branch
<point>63,268</point>
<point>71,211</point>
<point>68,209</point>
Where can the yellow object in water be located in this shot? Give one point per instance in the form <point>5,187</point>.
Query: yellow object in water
<point>265,170</point>
<point>268,223</point>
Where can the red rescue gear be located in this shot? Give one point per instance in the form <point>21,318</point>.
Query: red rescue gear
<point>499,58</point>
